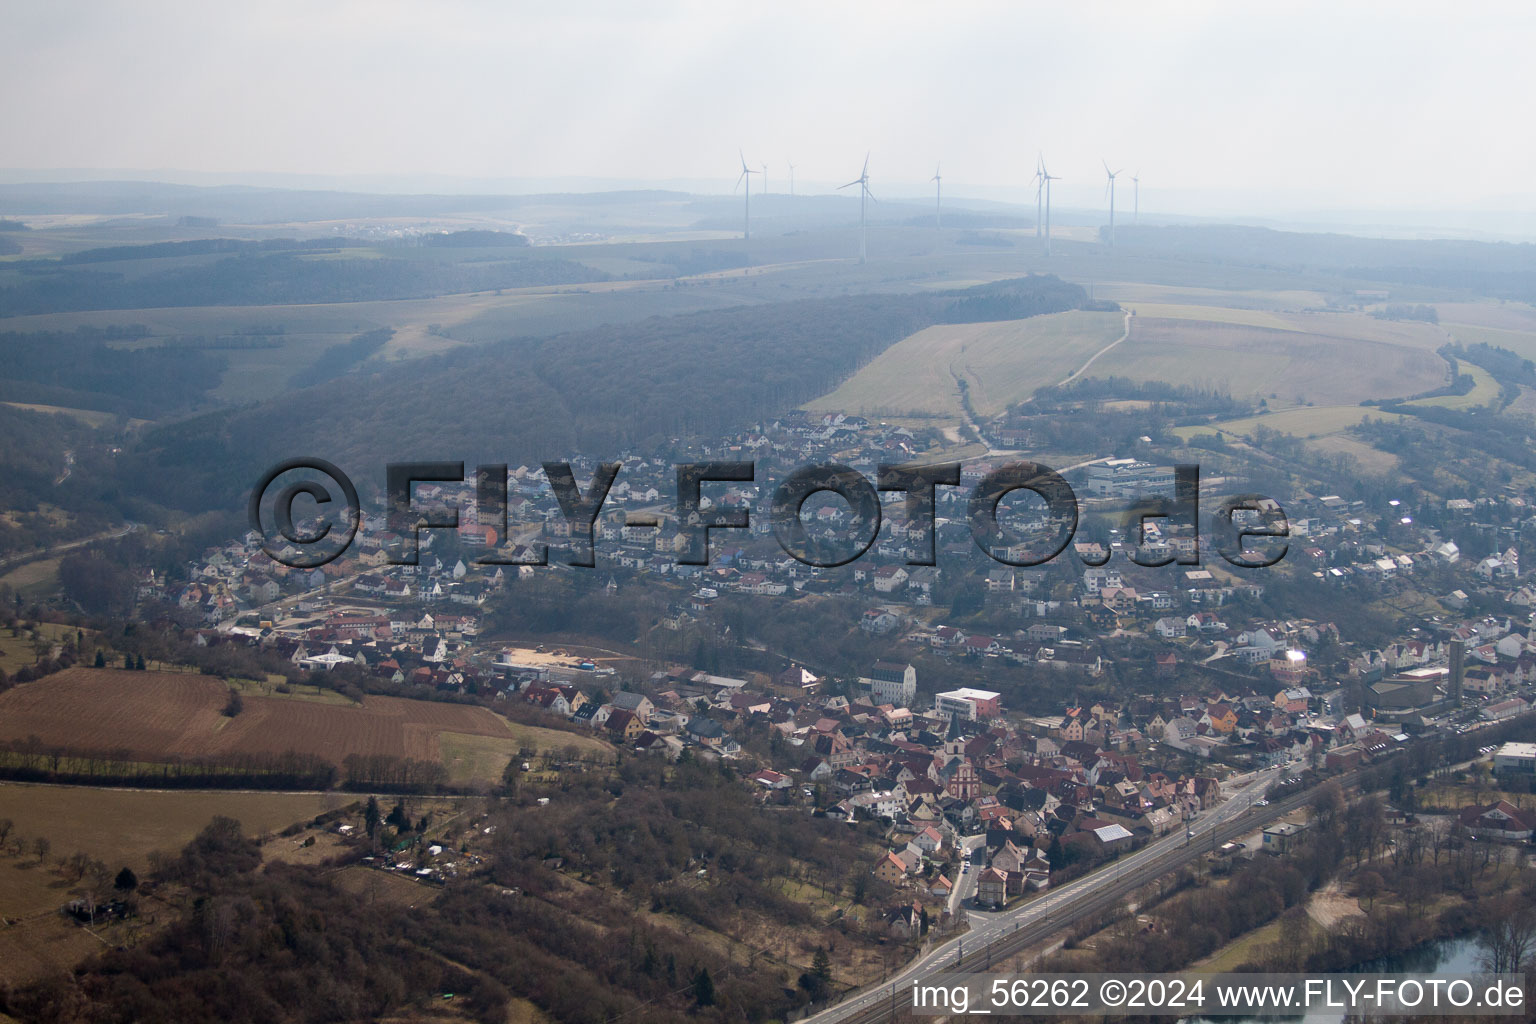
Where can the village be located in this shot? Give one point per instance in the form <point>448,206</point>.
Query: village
<point>983,803</point>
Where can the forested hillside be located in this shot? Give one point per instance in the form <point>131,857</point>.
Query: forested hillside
<point>594,391</point>
<point>262,278</point>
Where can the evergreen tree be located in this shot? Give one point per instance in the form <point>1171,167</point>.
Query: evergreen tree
<point>128,662</point>
<point>821,966</point>
<point>397,817</point>
<point>371,816</point>
<point>101,659</point>
<point>703,988</point>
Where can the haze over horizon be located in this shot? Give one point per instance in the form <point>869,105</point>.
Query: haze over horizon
<point>1338,116</point>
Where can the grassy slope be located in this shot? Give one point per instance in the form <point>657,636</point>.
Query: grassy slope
<point>1002,362</point>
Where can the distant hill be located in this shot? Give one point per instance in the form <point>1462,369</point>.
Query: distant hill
<point>1498,269</point>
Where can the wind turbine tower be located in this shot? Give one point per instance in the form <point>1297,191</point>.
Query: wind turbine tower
<point>1046,177</point>
<point>746,196</point>
<point>1109,188</point>
<point>1136,198</point>
<point>791,178</point>
<point>864,194</point>
<point>1039,191</point>
<point>765,179</point>
<point>938,197</point>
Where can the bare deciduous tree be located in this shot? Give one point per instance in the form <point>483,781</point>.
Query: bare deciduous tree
<point>1510,941</point>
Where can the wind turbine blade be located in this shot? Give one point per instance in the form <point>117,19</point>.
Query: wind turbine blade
<point>866,166</point>
<point>855,181</point>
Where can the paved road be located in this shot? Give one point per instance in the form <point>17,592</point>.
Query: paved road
<point>15,561</point>
<point>998,936</point>
<point>965,875</point>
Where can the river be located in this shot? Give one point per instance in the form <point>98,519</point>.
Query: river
<point>1433,959</point>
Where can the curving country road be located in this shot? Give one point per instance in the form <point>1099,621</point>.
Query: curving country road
<point>1084,368</point>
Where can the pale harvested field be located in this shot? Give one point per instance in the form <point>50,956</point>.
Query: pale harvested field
<point>1407,333</point>
<point>1373,461</point>
<point>42,574</point>
<point>123,826</point>
<point>90,417</point>
<point>120,828</point>
<point>1307,423</point>
<point>1485,391</point>
<point>1003,363</point>
<point>1294,367</point>
<point>1138,293</point>
<point>1210,314</point>
<point>155,715</point>
<point>1509,316</point>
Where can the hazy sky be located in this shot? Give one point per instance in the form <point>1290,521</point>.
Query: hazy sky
<point>1372,105</point>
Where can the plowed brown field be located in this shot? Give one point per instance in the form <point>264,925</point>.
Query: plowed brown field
<point>154,715</point>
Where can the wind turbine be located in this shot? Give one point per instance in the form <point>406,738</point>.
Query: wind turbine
<point>1109,189</point>
<point>746,215</point>
<point>1039,190</point>
<point>791,178</point>
<point>938,197</point>
<point>765,178</point>
<point>1046,177</point>
<point>864,193</point>
<point>1136,195</point>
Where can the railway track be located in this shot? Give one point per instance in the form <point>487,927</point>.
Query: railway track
<point>1085,899</point>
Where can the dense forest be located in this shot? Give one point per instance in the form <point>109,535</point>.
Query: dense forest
<point>256,277</point>
<point>82,369</point>
<point>31,465</point>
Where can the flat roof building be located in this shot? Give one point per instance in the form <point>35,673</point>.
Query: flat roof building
<point>968,703</point>
<point>1515,760</point>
